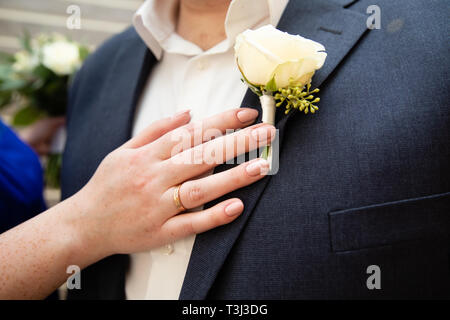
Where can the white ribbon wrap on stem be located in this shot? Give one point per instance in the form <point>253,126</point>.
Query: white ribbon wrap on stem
<point>268,108</point>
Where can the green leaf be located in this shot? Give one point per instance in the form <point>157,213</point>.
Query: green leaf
<point>5,98</point>
<point>53,170</point>
<point>43,72</point>
<point>84,52</point>
<point>12,84</point>
<point>25,41</point>
<point>271,85</point>
<point>254,89</point>
<point>6,57</point>
<point>5,72</point>
<point>26,116</point>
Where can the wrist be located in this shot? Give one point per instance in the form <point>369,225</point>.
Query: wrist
<point>81,231</point>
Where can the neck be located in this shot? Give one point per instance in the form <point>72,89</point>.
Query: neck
<point>202,21</point>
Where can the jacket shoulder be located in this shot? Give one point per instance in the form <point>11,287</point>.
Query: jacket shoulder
<point>90,79</point>
<point>101,58</point>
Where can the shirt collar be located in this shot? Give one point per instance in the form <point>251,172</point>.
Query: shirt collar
<point>154,21</point>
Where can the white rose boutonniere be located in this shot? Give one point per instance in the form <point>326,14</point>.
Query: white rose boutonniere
<point>278,67</point>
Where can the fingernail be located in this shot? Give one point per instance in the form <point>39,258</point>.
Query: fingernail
<point>247,115</point>
<point>234,208</point>
<point>259,167</point>
<point>180,113</point>
<point>263,133</point>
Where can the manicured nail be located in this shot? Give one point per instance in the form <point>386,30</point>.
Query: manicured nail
<point>180,113</point>
<point>259,167</point>
<point>263,133</point>
<point>234,208</point>
<point>247,115</point>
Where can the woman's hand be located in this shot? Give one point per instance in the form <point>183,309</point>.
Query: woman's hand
<point>128,205</point>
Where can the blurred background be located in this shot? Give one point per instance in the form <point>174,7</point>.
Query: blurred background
<point>98,20</point>
<point>24,82</point>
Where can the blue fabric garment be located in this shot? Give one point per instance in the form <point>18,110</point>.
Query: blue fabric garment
<point>21,181</point>
<point>365,181</point>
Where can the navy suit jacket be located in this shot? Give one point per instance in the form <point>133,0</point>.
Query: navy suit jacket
<point>365,181</point>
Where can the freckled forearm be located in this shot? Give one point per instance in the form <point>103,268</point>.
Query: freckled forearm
<point>34,256</point>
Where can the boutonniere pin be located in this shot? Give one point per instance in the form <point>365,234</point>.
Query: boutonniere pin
<point>278,67</point>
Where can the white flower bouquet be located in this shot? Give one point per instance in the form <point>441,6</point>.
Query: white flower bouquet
<point>35,80</point>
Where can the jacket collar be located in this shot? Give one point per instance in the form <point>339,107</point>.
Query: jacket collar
<point>154,21</point>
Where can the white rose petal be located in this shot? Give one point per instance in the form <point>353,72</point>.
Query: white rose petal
<point>24,61</point>
<point>267,52</point>
<point>62,57</point>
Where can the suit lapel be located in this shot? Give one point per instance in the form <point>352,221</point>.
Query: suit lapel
<point>338,30</point>
<point>125,82</point>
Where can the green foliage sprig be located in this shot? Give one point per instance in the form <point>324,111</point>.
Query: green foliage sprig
<point>300,98</point>
<point>292,97</point>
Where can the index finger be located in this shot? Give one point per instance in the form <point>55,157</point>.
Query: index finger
<point>194,134</point>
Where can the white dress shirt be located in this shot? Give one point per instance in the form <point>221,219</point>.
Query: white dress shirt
<point>186,77</point>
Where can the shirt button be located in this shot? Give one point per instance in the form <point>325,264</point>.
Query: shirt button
<point>202,64</point>
<point>168,249</point>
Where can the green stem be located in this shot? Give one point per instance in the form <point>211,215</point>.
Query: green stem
<point>265,153</point>
<point>53,170</point>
